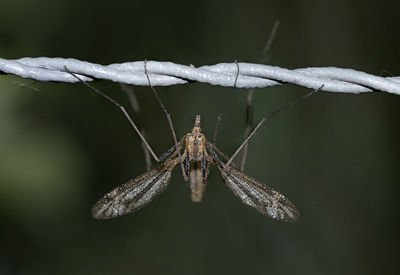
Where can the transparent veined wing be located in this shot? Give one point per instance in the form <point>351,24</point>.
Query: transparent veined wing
<point>135,194</point>
<point>255,194</point>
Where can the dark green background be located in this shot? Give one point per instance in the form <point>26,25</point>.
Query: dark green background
<point>335,155</point>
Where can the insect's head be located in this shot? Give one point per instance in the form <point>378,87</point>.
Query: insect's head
<point>196,129</point>
<point>197,121</point>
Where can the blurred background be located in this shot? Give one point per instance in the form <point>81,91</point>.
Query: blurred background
<point>334,155</point>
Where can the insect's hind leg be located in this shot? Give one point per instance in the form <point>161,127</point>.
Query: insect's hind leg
<point>136,110</point>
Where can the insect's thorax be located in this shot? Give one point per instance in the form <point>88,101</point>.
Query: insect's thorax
<point>195,143</point>
<point>195,146</point>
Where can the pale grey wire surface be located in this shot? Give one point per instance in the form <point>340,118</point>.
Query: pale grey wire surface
<point>223,74</point>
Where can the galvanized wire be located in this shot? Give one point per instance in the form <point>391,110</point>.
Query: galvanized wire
<point>223,74</point>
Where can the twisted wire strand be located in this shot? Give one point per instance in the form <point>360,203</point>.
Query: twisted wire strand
<point>167,73</point>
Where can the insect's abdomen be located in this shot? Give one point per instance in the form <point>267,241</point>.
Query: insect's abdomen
<point>197,186</point>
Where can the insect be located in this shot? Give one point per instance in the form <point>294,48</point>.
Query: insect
<point>199,151</point>
<point>195,160</point>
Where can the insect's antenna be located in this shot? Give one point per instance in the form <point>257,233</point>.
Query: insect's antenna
<point>171,126</point>
<point>122,108</point>
<point>136,111</point>
<point>268,117</point>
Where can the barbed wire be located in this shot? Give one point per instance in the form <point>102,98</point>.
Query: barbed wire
<point>223,74</point>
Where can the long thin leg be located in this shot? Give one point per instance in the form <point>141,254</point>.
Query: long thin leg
<point>122,108</point>
<point>221,113</point>
<point>136,110</point>
<point>21,84</point>
<point>267,117</point>
<point>171,126</point>
<point>249,124</point>
<point>271,38</point>
<point>218,123</point>
<point>249,108</point>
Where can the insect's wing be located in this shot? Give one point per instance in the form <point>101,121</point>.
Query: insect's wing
<point>264,199</point>
<point>134,194</point>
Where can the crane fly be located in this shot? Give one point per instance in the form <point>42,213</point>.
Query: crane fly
<point>198,152</point>
<point>195,162</point>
